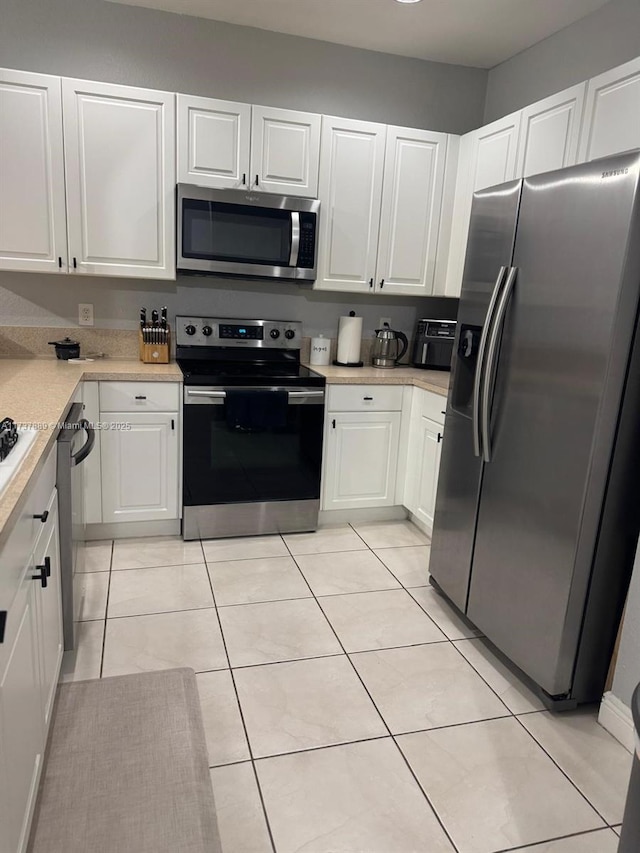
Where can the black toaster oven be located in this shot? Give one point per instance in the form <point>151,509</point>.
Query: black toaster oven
<point>433,345</point>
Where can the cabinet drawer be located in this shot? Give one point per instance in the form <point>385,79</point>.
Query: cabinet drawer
<point>361,398</point>
<point>40,497</point>
<point>139,396</point>
<point>430,405</point>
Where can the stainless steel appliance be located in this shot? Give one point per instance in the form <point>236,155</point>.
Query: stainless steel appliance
<point>433,344</point>
<point>250,234</point>
<point>75,442</point>
<point>536,519</point>
<point>253,421</point>
<point>388,347</point>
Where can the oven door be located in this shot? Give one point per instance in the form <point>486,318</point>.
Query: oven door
<point>231,232</point>
<point>239,482</point>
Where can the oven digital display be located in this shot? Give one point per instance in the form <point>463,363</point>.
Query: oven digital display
<point>254,333</point>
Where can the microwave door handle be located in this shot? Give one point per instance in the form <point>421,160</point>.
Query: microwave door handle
<point>295,238</point>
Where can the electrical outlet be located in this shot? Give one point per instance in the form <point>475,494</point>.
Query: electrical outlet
<point>85,314</point>
<point>384,320</point>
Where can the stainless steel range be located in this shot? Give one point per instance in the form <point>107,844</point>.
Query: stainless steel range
<point>253,421</point>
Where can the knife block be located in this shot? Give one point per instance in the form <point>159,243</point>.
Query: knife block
<point>154,353</point>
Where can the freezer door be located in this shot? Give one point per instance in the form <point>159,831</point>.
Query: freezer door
<point>489,252</point>
<point>560,374</point>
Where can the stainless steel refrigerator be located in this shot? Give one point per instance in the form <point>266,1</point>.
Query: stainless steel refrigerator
<point>538,504</point>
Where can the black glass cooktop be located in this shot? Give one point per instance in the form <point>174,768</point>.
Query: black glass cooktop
<point>246,373</point>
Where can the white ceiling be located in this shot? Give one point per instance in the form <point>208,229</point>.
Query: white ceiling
<point>480,33</point>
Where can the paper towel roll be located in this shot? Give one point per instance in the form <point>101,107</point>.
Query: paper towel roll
<point>320,349</point>
<point>349,339</point>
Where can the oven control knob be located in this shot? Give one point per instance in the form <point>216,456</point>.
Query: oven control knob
<point>275,333</point>
<point>289,334</point>
<point>206,331</point>
<point>190,330</point>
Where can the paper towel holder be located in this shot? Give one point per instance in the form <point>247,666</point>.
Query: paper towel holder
<point>348,363</point>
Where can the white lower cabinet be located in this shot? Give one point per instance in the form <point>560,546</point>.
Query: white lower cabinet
<point>139,452</point>
<point>423,455</point>
<point>21,718</point>
<point>361,459</point>
<point>428,466</point>
<point>46,558</point>
<point>30,658</point>
<point>139,466</point>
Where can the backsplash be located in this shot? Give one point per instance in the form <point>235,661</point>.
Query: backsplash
<point>33,342</point>
<point>51,301</point>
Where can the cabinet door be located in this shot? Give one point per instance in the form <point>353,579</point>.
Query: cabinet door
<point>49,610</point>
<point>33,224</point>
<point>487,157</point>
<point>213,142</point>
<point>139,466</point>
<point>350,190</point>
<point>612,113</point>
<point>428,466</point>
<point>361,459</point>
<point>285,151</point>
<point>120,171</point>
<point>21,732</point>
<point>411,205</point>
<point>550,131</point>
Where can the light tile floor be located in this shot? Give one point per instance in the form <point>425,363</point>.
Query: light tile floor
<point>347,707</point>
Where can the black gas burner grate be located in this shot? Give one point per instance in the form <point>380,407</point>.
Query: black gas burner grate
<point>8,437</point>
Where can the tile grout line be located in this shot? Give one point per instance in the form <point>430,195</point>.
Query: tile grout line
<point>106,611</point>
<point>516,717</point>
<point>242,720</point>
<point>550,840</point>
<point>564,773</point>
<point>384,722</point>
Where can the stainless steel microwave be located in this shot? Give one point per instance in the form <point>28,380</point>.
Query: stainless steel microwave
<point>249,234</point>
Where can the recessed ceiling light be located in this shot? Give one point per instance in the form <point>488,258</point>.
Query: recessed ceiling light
<point>407,1</point>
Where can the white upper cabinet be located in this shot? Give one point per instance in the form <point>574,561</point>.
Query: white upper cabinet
<point>229,145</point>
<point>550,131</point>
<point>487,157</point>
<point>411,206</point>
<point>493,155</point>
<point>612,113</point>
<point>33,229</point>
<point>285,151</point>
<point>350,192</point>
<point>120,171</point>
<point>213,142</point>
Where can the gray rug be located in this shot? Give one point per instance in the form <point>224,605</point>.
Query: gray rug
<point>127,769</point>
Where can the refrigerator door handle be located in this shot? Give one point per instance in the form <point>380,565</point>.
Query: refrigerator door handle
<point>478,379</point>
<point>492,352</point>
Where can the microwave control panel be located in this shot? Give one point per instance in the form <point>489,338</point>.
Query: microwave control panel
<point>307,249</point>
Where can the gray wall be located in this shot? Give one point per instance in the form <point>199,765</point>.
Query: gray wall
<point>30,299</point>
<point>604,39</point>
<point>145,47</point>
<point>627,674</point>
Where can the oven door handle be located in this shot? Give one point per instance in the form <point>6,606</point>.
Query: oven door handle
<point>191,393</point>
<point>222,394</point>
<point>295,238</point>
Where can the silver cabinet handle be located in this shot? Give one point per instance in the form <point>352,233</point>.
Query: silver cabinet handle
<point>295,238</point>
<point>477,382</point>
<point>492,352</point>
